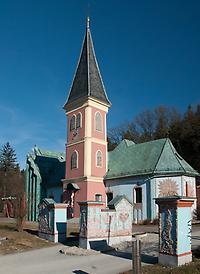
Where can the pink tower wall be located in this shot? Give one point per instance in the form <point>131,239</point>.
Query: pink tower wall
<point>98,171</point>
<point>87,192</point>
<point>88,188</point>
<point>76,172</point>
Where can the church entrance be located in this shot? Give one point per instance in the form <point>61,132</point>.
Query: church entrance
<point>69,198</point>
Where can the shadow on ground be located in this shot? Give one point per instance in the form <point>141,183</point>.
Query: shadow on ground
<point>72,240</point>
<point>148,259</point>
<point>80,272</point>
<point>32,231</point>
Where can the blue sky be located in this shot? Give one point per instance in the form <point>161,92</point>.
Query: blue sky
<point>148,53</point>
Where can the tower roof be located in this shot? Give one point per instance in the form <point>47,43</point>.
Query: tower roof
<point>87,80</point>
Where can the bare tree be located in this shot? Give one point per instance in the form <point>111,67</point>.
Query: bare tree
<point>126,130</point>
<point>146,123</point>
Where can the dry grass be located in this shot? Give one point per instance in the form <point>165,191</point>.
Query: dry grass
<point>191,268</point>
<point>28,239</point>
<point>20,241</point>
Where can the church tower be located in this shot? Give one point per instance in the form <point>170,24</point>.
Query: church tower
<point>86,149</point>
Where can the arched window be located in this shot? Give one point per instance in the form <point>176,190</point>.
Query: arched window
<point>78,120</point>
<point>98,121</point>
<point>72,122</point>
<point>99,159</point>
<point>74,160</point>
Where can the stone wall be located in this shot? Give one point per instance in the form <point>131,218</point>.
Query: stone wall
<point>100,226</point>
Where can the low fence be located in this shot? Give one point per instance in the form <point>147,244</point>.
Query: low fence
<point>101,227</point>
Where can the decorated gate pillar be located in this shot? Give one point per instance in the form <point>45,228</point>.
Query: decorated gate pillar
<point>175,223</point>
<point>52,220</point>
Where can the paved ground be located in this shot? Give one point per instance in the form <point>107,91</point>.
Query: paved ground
<point>49,260</point>
<point>154,229</point>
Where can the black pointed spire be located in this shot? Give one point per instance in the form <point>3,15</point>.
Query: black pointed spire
<point>87,80</point>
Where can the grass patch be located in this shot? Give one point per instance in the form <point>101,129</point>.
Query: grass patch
<point>28,239</point>
<point>193,267</point>
<point>9,227</point>
<point>20,241</point>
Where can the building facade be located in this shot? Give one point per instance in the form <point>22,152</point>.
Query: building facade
<point>142,172</point>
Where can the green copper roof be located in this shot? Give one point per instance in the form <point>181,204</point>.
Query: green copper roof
<point>149,158</point>
<point>48,165</point>
<point>31,160</point>
<point>46,153</point>
<point>48,201</point>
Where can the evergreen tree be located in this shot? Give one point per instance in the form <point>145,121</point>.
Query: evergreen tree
<point>8,159</point>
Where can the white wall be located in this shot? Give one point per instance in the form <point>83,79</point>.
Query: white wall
<point>180,182</point>
<point>151,188</point>
<point>126,187</point>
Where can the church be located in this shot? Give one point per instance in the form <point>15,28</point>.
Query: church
<point>88,172</point>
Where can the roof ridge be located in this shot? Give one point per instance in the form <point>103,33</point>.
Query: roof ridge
<point>88,54</point>
<point>152,141</point>
<point>48,153</point>
<point>98,67</point>
<point>160,153</point>
<point>173,149</point>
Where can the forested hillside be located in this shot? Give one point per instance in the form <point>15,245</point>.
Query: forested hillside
<point>182,128</point>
